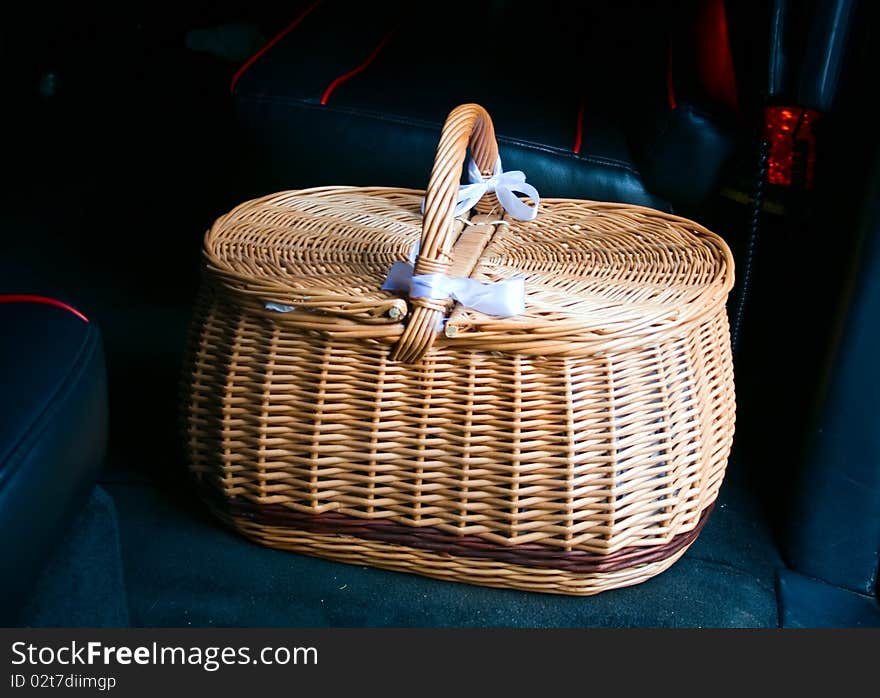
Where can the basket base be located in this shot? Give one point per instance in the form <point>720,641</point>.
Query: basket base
<point>483,572</point>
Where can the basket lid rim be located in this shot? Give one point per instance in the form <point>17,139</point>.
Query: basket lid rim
<point>603,268</point>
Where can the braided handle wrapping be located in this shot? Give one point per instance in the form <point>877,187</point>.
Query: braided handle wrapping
<point>466,126</point>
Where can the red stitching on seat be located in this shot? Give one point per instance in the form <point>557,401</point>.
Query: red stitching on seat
<point>361,68</point>
<point>24,298</point>
<point>579,129</point>
<point>670,84</point>
<point>259,54</point>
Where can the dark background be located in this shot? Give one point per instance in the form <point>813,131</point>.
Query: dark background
<point>122,148</point>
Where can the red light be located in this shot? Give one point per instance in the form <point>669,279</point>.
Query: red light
<point>789,130</point>
<point>715,64</point>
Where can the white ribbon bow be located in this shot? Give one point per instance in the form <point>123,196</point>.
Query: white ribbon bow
<point>502,298</point>
<point>504,184</point>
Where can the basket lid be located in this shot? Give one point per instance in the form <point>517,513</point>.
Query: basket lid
<point>597,275</point>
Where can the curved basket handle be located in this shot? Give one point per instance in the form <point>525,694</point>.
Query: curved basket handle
<point>468,124</point>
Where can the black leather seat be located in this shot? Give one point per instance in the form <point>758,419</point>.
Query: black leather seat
<point>53,432</point>
<point>356,95</point>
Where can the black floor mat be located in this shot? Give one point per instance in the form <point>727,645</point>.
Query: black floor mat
<point>184,569</point>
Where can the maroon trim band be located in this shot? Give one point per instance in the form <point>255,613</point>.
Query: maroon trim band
<point>430,538</point>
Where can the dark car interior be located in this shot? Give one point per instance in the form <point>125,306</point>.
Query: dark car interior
<point>132,127</point>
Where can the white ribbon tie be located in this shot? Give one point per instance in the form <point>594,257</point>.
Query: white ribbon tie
<point>503,298</point>
<point>505,185</point>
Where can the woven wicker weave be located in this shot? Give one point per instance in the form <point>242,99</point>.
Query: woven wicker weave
<point>574,448</point>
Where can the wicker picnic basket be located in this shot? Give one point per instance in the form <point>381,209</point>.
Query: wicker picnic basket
<point>573,448</point>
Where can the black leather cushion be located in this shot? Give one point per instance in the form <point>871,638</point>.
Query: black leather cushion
<point>53,430</point>
<point>805,602</point>
<point>682,151</point>
<point>533,71</point>
<point>834,532</point>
